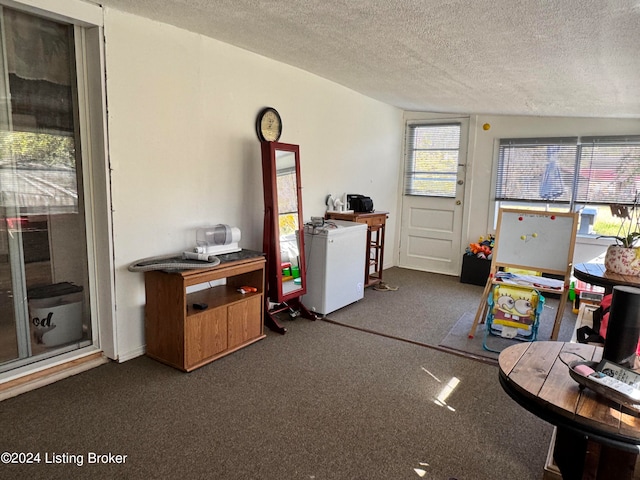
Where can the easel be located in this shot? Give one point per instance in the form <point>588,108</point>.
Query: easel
<point>537,241</point>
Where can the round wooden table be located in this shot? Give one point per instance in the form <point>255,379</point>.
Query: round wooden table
<point>534,375</point>
<point>596,274</point>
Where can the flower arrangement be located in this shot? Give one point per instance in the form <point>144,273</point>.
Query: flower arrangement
<point>483,248</point>
<point>624,257</point>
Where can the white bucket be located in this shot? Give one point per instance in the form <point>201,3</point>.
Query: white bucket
<point>56,320</point>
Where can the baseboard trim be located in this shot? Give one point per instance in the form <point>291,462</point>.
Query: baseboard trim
<point>50,375</point>
<point>131,354</point>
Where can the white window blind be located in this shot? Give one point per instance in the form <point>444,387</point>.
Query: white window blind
<point>609,170</point>
<point>569,170</point>
<point>431,160</point>
<point>536,169</point>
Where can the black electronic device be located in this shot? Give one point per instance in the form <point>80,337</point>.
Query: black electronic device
<point>200,306</point>
<point>359,203</point>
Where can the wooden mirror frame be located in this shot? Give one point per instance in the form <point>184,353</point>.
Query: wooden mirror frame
<point>285,299</point>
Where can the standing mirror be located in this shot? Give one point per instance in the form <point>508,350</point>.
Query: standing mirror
<point>283,231</point>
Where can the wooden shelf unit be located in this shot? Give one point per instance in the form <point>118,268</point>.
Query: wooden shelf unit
<point>186,338</point>
<point>376,224</point>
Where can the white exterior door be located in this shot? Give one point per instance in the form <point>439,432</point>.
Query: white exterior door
<point>433,200</point>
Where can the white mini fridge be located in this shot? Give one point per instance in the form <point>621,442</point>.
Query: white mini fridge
<point>335,256</point>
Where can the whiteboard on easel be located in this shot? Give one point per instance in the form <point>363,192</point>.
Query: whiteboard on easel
<point>538,240</point>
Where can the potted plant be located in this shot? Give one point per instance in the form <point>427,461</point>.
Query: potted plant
<point>624,256</point>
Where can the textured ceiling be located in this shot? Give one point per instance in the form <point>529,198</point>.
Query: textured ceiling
<point>521,57</point>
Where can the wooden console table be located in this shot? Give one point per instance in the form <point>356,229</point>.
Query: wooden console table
<point>186,338</point>
<point>376,224</point>
<point>596,438</point>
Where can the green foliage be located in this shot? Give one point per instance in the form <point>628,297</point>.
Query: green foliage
<point>627,234</point>
<point>627,241</point>
<point>37,148</point>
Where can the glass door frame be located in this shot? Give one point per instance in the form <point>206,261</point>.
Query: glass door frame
<point>91,141</point>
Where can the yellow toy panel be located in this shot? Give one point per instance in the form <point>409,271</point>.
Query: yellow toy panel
<point>521,271</point>
<point>514,306</point>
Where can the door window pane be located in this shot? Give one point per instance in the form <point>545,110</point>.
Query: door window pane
<point>431,166</point>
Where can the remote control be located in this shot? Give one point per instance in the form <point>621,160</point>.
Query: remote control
<point>625,375</point>
<point>617,385</point>
<point>587,374</point>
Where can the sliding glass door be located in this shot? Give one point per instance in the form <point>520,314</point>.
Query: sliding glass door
<point>44,275</point>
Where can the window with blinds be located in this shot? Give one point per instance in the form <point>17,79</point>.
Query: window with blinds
<point>431,160</point>
<point>569,170</point>
<point>536,169</point>
<point>609,170</point>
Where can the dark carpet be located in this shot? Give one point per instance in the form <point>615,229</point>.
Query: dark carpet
<point>423,309</point>
<point>458,337</point>
<point>321,402</point>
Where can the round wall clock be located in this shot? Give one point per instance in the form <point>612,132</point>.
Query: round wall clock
<point>269,125</point>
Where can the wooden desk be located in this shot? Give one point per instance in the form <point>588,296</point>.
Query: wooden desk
<point>376,224</point>
<point>596,274</point>
<point>596,438</point>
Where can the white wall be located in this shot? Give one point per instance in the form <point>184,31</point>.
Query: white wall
<point>183,150</point>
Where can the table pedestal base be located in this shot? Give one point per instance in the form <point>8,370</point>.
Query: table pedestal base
<point>579,458</point>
